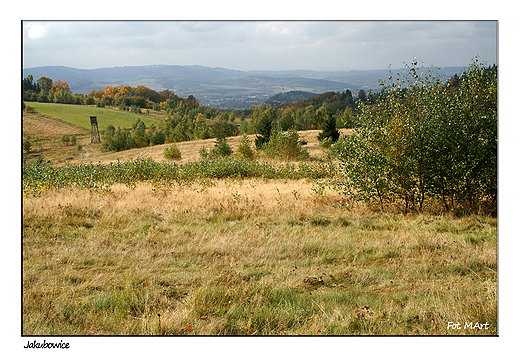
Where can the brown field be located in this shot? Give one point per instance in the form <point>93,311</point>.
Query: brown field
<point>44,126</point>
<point>250,257</point>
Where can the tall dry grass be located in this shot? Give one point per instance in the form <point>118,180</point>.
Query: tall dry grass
<point>249,257</point>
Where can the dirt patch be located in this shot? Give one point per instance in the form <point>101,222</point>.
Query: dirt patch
<point>39,125</point>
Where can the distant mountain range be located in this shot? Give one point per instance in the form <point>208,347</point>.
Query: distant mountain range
<point>218,87</point>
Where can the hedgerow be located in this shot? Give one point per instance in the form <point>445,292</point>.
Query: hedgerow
<point>41,176</point>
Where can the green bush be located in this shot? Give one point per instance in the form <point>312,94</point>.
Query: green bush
<point>286,145</point>
<point>244,149</point>
<point>27,145</point>
<point>172,153</point>
<point>221,149</point>
<point>41,176</point>
<point>117,139</point>
<point>135,109</point>
<point>158,137</point>
<point>203,153</point>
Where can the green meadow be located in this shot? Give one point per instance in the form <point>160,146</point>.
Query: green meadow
<point>80,115</point>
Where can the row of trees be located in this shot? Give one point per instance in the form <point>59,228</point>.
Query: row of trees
<point>301,115</point>
<point>307,118</point>
<point>182,126</point>
<point>186,119</point>
<point>47,91</point>
<point>192,124</point>
<point>184,123</point>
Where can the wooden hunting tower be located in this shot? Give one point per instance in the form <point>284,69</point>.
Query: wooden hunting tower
<point>94,131</point>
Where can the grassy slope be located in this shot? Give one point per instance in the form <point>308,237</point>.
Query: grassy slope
<point>80,115</point>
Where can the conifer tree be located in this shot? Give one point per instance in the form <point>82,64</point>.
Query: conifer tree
<point>328,126</point>
<point>264,128</point>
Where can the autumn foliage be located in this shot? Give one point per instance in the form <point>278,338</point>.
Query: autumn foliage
<point>60,85</point>
<point>45,90</point>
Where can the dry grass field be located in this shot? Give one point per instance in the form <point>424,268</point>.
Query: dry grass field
<point>250,257</point>
<point>246,257</point>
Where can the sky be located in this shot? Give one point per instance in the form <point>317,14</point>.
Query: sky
<point>258,45</point>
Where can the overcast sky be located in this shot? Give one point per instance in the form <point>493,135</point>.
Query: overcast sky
<point>258,45</point>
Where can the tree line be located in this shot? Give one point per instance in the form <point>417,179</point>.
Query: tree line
<point>47,91</point>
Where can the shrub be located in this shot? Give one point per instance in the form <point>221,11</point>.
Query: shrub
<point>117,140</point>
<point>27,145</point>
<point>221,149</point>
<point>65,139</point>
<point>158,137</point>
<point>286,145</point>
<point>135,109</point>
<point>203,153</point>
<point>326,142</point>
<point>172,153</point>
<point>41,176</point>
<point>244,149</point>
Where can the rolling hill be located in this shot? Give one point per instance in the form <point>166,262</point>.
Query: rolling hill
<point>289,97</point>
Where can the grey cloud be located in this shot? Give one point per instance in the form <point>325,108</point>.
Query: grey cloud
<point>250,45</point>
